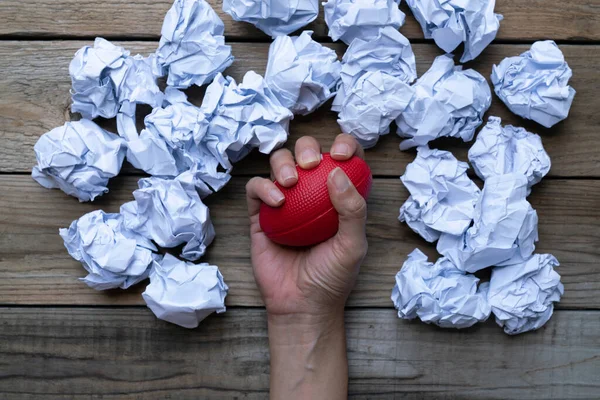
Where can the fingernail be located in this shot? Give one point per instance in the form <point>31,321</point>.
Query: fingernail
<point>309,156</point>
<point>340,180</point>
<point>340,149</point>
<point>288,173</point>
<point>276,195</point>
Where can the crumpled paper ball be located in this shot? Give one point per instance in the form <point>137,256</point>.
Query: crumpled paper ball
<point>504,227</point>
<point>439,293</point>
<point>522,295</point>
<point>501,150</point>
<point>93,92</point>
<point>138,86</point>
<point>274,17</point>
<point>302,73</point>
<point>171,144</point>
<point>452,22</point>
<point>114,256</point>
<point>389,52</point>
<point>364,19</point>
<point>106,80</point>
<point>535,85</point>
<point>375,100</point>
<point>243,117</point>
<point>184,293</point>
<point>448,101</point>
<point>79,158</point>
<point>442,196</point>
<point>171,215</point>
<point>192,49</point>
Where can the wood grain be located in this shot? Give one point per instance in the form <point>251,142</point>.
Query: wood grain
<point>523,20</point>
<point>35,98</point>
<point>36,269</point>
<point>129,354</point>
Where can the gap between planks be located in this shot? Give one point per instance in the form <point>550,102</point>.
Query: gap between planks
<point>229,307</point>
<point>229,40</point>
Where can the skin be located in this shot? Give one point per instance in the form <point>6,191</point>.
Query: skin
<point>305,290</point>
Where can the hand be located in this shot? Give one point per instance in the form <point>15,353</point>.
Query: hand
<point>305,290</point>
<point>316,280</point>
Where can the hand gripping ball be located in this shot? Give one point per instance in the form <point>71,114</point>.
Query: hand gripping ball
<point>307,216</point>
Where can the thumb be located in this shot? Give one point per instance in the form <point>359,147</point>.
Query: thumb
<point>352,210</point>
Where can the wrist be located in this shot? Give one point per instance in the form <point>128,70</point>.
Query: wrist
<point>308,356</point>
<point>304,328</point>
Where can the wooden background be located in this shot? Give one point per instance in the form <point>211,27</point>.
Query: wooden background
<point>60,339</point>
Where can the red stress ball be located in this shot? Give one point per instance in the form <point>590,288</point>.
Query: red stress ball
<point>307,216</point>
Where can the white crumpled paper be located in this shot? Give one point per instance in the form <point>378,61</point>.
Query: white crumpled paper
<point>442,196</point>
<point>504,230</point>
<point>114,256</point>
<point>439,293</point>
<point>184,293</point>
<point>192,49</point>
<point>171,214</point>
<point>172,143</point>
<point>502,150</point>
<point>274,17</point>
<point>243,117</point>
<point>107,81</point>
<point>302,73</point>
<point>138,86</point>
<point>351,19</point>
<point>535,85</point>
<point>448,101</point>
<point>522,295</point>
<point>452,22</point>
<point>79,158</point>
<point>375,100</point>
<point>93,92</point>
<point>389,52</point>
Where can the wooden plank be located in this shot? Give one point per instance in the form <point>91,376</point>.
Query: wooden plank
<point>128,354</point>
<point>35,87</point>
<point>530,20</point>
<point>36,269</point>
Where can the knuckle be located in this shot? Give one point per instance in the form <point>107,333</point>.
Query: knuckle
<point>266,185</point>
<point>251,184</point>
<point>357,206</point>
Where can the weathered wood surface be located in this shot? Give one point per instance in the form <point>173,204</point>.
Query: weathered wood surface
<point>94,347</point>
<point>524,20</point>
<point>127,354</point>
<point>35,98</point>
<point>36,269</point>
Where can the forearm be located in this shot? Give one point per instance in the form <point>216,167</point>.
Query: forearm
<point>308,357</point>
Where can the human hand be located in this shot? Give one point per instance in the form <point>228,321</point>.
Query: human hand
<point>304,290</point>
<point>315,280</point>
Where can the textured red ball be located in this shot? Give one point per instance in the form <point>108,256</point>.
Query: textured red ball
<point>307,216</point>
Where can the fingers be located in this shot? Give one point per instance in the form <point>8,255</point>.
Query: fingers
<point>283,167</point>
<point>352,210</point>
<point>308,152</point>
<point>345,146</point>
<point>262,190</point>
